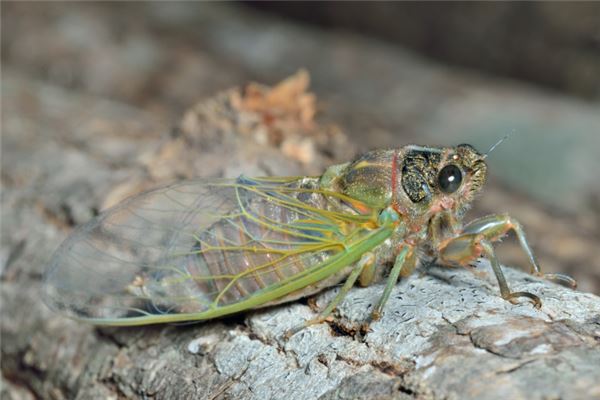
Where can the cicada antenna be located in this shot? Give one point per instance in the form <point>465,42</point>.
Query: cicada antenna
<point>509,134</point>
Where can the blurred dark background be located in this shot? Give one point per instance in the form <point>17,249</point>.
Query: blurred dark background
<point>91,86</point>
<point>553,44</point>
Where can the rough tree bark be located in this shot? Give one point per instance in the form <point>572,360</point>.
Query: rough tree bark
<point>445,334</point>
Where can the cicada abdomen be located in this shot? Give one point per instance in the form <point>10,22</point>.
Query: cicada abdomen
<point>266,237</point>
<point>197,246</point>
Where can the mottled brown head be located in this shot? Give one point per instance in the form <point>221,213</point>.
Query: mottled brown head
<point>440,178</point>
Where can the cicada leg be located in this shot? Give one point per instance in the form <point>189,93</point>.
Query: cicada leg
<point>476,241</point>
<point>366,261</point>
<point>404,264</point>
<point>494,227</point>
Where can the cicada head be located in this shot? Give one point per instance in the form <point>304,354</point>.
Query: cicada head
<point>435,179</point>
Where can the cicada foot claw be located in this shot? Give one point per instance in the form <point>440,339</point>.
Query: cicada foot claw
<point>292,331</point>
<point>561,279</point>
<point>315,321</point>
<point>365,329</point>
<point>361,333</point>
<point>512,297</point>
<point>287,335</point>
<point>312,304</point>
<point>375,316</point>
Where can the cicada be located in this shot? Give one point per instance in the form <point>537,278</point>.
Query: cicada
<point>201,249</point>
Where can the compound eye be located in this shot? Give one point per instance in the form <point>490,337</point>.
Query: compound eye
<point>450,178</point>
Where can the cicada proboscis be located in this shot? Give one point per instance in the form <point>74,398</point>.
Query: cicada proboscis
<point>201,249</point>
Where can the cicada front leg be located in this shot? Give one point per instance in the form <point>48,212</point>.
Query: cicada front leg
<point>475,241</point>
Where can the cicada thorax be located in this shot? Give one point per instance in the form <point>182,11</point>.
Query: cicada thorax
<point>407,176</point>
<point>367,179</point>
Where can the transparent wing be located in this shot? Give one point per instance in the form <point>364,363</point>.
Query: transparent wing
<point>195,247</point>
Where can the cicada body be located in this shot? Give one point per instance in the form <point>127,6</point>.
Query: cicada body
<point>201,249</point>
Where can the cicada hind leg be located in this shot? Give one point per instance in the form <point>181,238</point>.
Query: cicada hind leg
<point>363,272</point>
<point>366,262</point>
